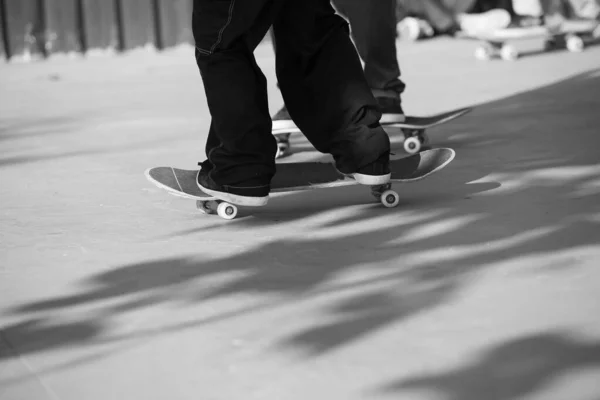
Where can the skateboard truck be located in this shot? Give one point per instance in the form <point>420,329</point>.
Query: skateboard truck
<point>384,194</point>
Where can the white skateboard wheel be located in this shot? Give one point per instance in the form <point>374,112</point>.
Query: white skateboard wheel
<point>390,198</point>
<point>575,44</point>
<point>483,53</point>
<point>509,53</point>
<point>412,145</point>
<point>227,211</point>
<point>206,206</point>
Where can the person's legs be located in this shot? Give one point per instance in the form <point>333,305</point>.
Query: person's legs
<point>324,88</point>
<point>240,148</point>
<point>441,15</point>
<point>373,28</point>
<point>451,16</point>
<point>479,16</point>
<point>585,9</point>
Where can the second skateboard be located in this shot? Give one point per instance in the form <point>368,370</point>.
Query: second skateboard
<point>413,128</point>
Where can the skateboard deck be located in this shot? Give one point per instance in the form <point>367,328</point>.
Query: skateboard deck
<point>573,36</point>
<point>424,122</point>
<point>295,177</point>
<point>413,129</point>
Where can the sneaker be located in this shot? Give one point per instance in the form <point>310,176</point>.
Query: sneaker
<point>376,173</point>
<point>282,121</point>
<point>251,195</point>
<point>487,22</point>
<point>391,109</point>
<point>554,22</point>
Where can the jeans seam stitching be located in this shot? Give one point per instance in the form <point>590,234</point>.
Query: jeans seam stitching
<point>220,37</point>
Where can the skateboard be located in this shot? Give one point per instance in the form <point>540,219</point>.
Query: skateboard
<point>573,36</point>
<point>413,128</point>
<point>295,177</point>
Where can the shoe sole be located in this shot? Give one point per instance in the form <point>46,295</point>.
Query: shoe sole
<point>372,180</point>
<point>283,125</point>
<point>235,198</point>
<point>390,118</point>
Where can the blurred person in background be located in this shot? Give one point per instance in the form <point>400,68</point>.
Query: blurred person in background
<point>554,14</point>
<point>426,18</point>
<point>586,9</point>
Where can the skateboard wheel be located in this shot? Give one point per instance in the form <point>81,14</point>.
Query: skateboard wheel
<point>483,53</point>
<point>509,53</point>
<point>412,145</point>
<point>206,206</point>
<point>227,211</point>
<point>575,44</point>
<point>390,198</point>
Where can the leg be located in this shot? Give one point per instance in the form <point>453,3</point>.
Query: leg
<point>240,148</point>
<point>585,9</point>
<point>324,88</point>
<point>373,27</point>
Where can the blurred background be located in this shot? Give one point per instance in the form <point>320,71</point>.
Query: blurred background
<point>40,28</point>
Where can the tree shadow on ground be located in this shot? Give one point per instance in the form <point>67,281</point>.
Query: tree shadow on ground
<point>546,199</point>
<point>42,139</point>
<point>508,370</point>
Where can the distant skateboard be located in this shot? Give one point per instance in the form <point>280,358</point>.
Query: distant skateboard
<point>573,36</point>
<point>413,129</point>
<point>295,177</point>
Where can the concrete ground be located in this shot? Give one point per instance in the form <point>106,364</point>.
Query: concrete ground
<point>482,285</point>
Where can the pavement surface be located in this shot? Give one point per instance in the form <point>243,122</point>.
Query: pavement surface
<point>483,284</point>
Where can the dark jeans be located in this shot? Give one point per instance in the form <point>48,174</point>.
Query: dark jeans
<point>373,29</point>
<point>319,74</point>
<point>373,26</point>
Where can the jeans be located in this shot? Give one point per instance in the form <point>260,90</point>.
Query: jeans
<point>373,29</point>
<point>319,74</point>
<point>373,26</point>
